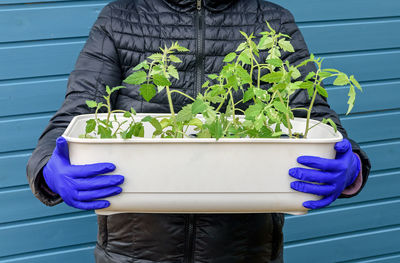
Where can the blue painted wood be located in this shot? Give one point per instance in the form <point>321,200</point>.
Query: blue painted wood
<point>384,155</point>
<point>21,206</point>
<point>317,10</point>
<point>391,258</point>
<point>39,59</point>
<point>76,254</point>
<point>33,235</point>
<point>32,22</point>
<point>24,2</point>
<point>339,248</point>
<point>13,169</point>
<point>44,95</point>
<point>21,133</point>
<point>372,127</point>
<point>351,36</point>
<point>339,220</point>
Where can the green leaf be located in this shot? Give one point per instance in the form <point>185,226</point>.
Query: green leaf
<point>215,129</point>
<point>196,122</point>
<point>322,91</point>
<point>175,59</point>
<point>272,77</point>
<point>352,98</point>
<point>272,115</point>
<point>285,45</point>
<point>108,90</point>
<point>104,132</point>
<point>281,87</point>
<point>310,75</point>
<point>243,75</point>
<point>117,88</point>
<point>133,111</point>
<point>205,84</point>
<point>198,106</point>
<point>244,57</point>
<point>274,53</point>
<point>185,114</point>
<point>147,91</point>
<point>165,123</point>
<point>181,49</point>
<point>136,78</point>
<point>244,34</point>
<point>91,103</point>
<point>324,74</point>
<point>253,110</point>
<point>248,95</point>
<point>277,134</point>
<point>173,72</point>
<point>127,114</point>
<point>230,57</point>
<point>90,125</point>
<point>280,106</point>
<point>147,119</point>
<point>156,56</point>
<point>332,70</point>
<point>306,85</point>
<point>260,92</point>
<point>156,124</point>
<point>355,82</point>
<point>213,76</point>
<point>331,122</point>
<point>259,122</point>
<point>341,80</point>
<point>241,47</point>
<point>209,115</point>
<point>232,82</point>
<point>138,130</point>
<point>295,72</point>
<point>265,42</point>
<point>204,134</point>
<point>310,91</point>
<point>276,62</point>
<point>141,65</point>
<point>161,80</point>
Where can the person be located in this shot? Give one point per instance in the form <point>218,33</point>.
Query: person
<point>124,34</point>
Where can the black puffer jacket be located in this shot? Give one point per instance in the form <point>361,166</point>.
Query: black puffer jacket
<point>125,33</point>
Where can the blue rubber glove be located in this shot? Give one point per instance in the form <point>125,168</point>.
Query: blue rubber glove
<point>334,175</point>
<point>78,185</point>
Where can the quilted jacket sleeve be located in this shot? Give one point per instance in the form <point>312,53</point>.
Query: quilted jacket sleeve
<point>97,66</point>
<point>321,107</point>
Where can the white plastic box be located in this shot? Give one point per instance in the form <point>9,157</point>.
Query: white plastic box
<point>197,175</point>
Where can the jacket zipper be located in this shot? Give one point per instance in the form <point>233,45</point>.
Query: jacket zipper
<point>200,47</point>
<point>190,237</point>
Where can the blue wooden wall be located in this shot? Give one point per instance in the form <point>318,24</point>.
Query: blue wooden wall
<point>39,44</point>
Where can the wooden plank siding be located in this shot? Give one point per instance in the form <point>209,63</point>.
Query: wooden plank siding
<point>39,44</point>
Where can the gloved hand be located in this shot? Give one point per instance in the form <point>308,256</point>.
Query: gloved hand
<point>334,174</point>
<point>78,185</point>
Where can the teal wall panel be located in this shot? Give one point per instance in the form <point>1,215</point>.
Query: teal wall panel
<point>39,44</point>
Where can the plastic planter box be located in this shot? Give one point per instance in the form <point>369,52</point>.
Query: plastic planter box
<point>194,175</point>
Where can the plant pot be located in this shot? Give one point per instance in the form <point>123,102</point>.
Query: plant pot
<point>197,175</point>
